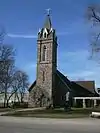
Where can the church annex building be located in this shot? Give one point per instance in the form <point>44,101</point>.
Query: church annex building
<point>51,86</point>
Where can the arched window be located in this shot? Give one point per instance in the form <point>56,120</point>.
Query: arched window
<point>44,53</point>
<point>45,35</point>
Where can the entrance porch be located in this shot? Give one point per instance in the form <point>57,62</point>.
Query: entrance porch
<point>86,102</point>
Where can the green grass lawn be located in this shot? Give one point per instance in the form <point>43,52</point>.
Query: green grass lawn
<point>57,113</point>
<point>5,109</point>
<point>9,109</point>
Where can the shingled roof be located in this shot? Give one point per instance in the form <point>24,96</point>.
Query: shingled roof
<point>74,87</point>
<point>89,85</point>
<point>32,85</point>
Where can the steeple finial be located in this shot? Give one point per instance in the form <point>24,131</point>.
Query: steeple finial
<point>48,11</point>
<point>47,23</point>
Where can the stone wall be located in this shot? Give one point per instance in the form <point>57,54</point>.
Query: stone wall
<point>38,97</point>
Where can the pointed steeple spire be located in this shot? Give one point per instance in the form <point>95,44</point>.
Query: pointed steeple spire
<point>47,23</point>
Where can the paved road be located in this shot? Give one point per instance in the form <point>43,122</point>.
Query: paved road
<point>36,125</point>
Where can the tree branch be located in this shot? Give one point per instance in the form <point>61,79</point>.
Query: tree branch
<point>94,14</point>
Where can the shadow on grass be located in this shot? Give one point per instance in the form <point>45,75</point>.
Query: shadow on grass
<point>53,113</point>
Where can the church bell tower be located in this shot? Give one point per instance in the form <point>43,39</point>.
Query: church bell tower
<point>46,58</point>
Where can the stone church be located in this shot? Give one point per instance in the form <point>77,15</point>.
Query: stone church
<point>51,86</point>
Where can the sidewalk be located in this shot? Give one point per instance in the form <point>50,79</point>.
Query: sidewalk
<point>18,110</point>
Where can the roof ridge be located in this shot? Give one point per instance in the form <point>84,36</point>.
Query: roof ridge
<point>62,79</point>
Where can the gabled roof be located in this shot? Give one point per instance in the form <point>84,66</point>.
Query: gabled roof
<point>75,88</point>
<point>72,86</point>
<point>31,87</point>
<point>81,91</point>
<point>62,79</point>
<point>89,85</point>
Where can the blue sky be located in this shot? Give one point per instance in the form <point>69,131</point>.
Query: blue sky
<point>22,20</point>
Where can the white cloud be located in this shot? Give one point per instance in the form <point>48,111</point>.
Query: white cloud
<point>86,75</point>
<point>22,36</point>
<point>30,66</point>
<point>82,74</point>
<point>32,36</point>
<point>71,54</point>
<point>76,66</point>
<point>30,69</point>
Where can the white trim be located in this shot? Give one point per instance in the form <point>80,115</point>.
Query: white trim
<point>51,30</point>
<point>93,98</point>
<point>45,31</point>
<point>39,30</point>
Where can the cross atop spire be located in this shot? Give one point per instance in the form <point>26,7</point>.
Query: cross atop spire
<point>47,23</point>
<point>48,11</point>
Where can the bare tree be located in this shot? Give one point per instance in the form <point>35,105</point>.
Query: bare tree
<point>24,84</point>
<point>2,35</point>
<point>93,14</point>
<point>11,81</point>
<point>7,69</point>
<point>19,86</point>
<point>14,87</point>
